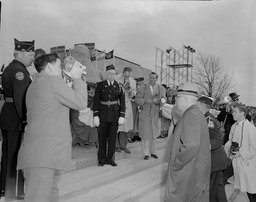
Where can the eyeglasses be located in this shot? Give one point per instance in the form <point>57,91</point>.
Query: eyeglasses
<point>236,100</point>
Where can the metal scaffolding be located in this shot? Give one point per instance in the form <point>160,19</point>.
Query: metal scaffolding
<point>173,66</point>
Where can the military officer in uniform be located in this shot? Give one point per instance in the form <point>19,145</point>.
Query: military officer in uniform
<point>15,81</point>
<point>109,112</point>
<point>218,156</point>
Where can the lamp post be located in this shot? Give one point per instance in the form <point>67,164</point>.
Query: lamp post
<point>189,50</point>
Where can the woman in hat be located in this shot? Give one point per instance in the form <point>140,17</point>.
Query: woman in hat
<point>46,148</point>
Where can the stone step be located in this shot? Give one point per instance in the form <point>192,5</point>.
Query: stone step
<point>83,157</point>
<point>94,176</point>
<point>123,189</point>
<point>154,194</point>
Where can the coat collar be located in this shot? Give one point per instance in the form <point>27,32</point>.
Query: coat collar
<point>19,63</point>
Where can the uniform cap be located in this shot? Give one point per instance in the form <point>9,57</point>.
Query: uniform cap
<point>27,46</point>
<point>110,67</point>
<point>140,79</point>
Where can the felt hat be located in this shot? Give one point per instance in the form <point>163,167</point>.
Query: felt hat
<point>188,89</point>
<point>234,96</point>
<point>206,100</point>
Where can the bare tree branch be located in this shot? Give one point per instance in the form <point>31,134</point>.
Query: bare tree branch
<point>210,76</point>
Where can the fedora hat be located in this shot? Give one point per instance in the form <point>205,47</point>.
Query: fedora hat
<point>188,89</point>
<point>234,96</point>
<point>206,100</point>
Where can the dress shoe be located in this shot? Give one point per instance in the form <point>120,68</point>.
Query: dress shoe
<point>126,150</point>
<point>101,164</point>
<point>118,149</point>
<point>154,156</point>
<point>146,157</point>
<point>112,163</point>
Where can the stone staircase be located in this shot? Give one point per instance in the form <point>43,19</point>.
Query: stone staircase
<point>133,180</point>
<point>133,177</point>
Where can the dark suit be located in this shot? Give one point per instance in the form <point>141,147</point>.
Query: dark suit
<point>226,117</point>
<point>218,160</point>
<point>108,115</point>
<point>15,81</point>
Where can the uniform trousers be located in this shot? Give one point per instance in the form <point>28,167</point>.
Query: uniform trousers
<point>107,132</point>
<point>11,180</point>
<point>148,146</point>
<point>122,139</point>
<point>41,185</point>
<point>217,187</point>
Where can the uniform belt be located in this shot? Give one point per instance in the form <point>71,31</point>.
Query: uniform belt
<point>108,103</point>
<point>8,99</point>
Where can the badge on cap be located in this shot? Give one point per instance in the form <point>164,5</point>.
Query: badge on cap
<point>20,76</point>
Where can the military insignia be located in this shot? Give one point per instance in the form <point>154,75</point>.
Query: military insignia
<point>210,124</point>
<point>20,76</point>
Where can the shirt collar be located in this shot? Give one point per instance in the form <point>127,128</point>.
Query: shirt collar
<point>110,82</point>
<point>239,123</point>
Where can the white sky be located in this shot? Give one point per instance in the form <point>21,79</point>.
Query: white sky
<point>134,28</point>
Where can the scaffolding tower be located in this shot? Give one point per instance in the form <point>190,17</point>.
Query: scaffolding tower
<point>173,66</point>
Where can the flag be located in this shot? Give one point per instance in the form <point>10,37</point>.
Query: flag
<point>109,55</point>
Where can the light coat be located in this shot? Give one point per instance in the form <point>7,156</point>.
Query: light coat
<point>149,121</point>
<point>189,165</point>
<point>128,123</point>
<point>47,138</point>
<point>245,165</point>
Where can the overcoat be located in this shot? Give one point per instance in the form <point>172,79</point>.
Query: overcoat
<point>47,138</point>
<point>128,123</point>
<point>149,120</point>
<point>189,165</point>
<point>245,165</point>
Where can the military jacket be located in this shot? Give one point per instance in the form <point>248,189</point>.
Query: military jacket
<point>15,81</point>
<point>219,159</point>
<point>105,93</point>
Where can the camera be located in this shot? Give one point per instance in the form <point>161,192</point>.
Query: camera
<point>234,147</point>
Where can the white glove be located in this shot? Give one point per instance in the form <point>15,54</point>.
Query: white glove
<point>121,120</point>
<point>163,100</point>
<point>96,121</point>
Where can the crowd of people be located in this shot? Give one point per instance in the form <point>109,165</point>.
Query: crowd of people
<point>44,115</point>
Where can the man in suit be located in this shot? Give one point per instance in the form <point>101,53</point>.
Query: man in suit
<point>15,81</point>
<point>109,112</point>
<point>219,159</point>
<point>189,165</point>
<point>150,97</point>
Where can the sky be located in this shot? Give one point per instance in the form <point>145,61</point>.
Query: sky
<point>134,28</point>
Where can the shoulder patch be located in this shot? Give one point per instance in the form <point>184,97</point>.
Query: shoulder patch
<point>19,76</point>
